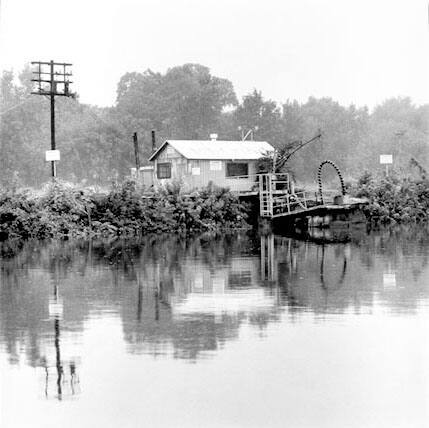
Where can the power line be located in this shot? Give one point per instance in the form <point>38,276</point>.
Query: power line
<point>15,106</point>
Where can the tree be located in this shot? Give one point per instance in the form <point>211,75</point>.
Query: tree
<point>342,131</point>
<point>185,103</point>
<point>260,116</point>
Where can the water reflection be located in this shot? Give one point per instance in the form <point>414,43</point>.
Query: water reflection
<point>187,298</point>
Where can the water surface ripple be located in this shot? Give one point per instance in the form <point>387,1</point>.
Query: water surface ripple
<point>217,331</point>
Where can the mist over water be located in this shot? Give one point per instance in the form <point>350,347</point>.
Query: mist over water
<point>234,330</point>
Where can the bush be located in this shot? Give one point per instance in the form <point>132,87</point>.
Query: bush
<point>18,214</point>
<point>394,199</point>
<point>63,210</point>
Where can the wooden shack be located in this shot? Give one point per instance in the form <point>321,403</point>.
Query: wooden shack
<point>196,163</point>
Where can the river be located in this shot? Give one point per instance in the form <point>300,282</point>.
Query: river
<point>237,330</point>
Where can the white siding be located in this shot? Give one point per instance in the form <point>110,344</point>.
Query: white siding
<point>186,172</point>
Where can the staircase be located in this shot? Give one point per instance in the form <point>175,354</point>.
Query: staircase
<point>265,195</point>
<point>277,197</point>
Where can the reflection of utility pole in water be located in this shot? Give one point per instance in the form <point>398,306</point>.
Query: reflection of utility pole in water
<point>58,358</point>
<point>56,313</point>
<point>56,309</point>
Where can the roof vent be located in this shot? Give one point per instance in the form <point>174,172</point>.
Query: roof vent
<point>213,137</point>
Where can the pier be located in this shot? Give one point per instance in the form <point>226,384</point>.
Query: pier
<point>278,200</point>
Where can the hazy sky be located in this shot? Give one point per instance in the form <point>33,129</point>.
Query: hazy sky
<point>355,51</point>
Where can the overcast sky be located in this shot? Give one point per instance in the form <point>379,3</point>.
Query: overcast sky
<point>355,51</point>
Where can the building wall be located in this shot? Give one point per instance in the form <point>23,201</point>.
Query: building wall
<point>178,165</point>
<point>201,172</point>
<point>198,173</point>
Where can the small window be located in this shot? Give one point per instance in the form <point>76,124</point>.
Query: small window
<point>163,170</point>
<point>235,169</point>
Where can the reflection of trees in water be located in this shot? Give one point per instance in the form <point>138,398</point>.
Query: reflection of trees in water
<point>136,279</point>
<point>403,245</point>
<point>153,283</point>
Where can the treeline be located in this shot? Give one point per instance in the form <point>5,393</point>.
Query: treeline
<point>188,102</point>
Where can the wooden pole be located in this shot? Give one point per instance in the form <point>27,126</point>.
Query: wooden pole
<point>53,90</point>
<point>136,153</point>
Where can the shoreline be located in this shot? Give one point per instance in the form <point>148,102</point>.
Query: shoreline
<point>64,211</point>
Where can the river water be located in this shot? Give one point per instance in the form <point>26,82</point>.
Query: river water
<point>217,331</point>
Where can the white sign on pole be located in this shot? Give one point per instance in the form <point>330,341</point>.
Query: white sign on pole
<point>386,159</point>
<point>52,155</point>
<point>56,308</point>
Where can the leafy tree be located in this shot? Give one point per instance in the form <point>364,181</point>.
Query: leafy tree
<point>342,130</point>
<point>189,102</point>
<point>263,117</point>
<point>185,103</point>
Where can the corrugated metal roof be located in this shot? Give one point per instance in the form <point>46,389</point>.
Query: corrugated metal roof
<point>218,150</point>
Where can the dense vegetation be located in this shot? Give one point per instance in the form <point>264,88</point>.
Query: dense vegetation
<point>62,210</point>
<point>189,102</point>
<point>395,199</point>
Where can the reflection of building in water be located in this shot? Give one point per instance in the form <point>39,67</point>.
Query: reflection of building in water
<point>194,306</point>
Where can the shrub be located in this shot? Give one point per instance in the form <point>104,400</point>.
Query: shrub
<point>63,210</point>
<point>394,199</point>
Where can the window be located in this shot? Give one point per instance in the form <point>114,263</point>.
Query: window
<point>163,170</point>
<point>234,169</point>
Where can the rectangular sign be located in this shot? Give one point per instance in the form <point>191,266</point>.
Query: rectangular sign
<point>52,155</point>
<point>389,280</point>
<point>386,159</point>
<point>215,166</point>
<point>196,171</point>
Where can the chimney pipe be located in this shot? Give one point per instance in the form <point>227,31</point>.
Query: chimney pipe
<point>153,141</point>
<point>136,152</point>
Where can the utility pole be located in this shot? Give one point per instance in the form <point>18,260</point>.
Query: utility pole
<point>52,79</point>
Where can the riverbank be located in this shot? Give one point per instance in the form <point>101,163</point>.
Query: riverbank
<point>62,210</point>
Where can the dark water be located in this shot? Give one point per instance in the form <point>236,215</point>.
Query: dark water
<point>227,331</point>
